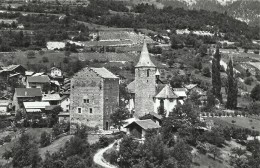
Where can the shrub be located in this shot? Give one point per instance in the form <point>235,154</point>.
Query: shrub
<point>1,142</point>
<point>111,156</point>
<point>206,72</point>
<point>233,121</point>
<point>31,54</point>
<point>7,138</point>
<point>45,59</point>
<point>248,80</point>
<point>103,141</point>
<point>45,139</point>
<point>256,51</point>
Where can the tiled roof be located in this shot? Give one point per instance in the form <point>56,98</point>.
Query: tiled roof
<point>50,97</point>
<point>29,73</point>
<point>190,86</point>
<point>145,60</point>
<point>35,105</point>
<point>145,124</point>
<point>166,93</point>
<point>39,79</point>
<point>104,73</point>
<point>11,67</point>
<point>51,107</point>
<point>180,93</point>
<point>28,92</point>
<point>156,115</point>
<point>131,87</point>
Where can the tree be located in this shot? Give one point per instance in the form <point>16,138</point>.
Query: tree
<point>25,153</point>
<point>255,93</point>
<point>75,162</point>
<point>118,117</point>
<point>203,49</point>
<point>45,59</point>
<point>215,151</point>
<point>45,139</point>
<point>254,108</point>
<point>249,80</point>
<point>182,153</point>
<point>216,79</point>
<point>231,86</point>
<point>206,72</point>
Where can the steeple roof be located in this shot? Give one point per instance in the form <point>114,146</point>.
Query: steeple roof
<point>145,60</point>
<point>166,93</point>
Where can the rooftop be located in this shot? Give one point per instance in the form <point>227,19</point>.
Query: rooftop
<point>28,92</point>
<point>12,67</point>
<point>104,73</point>
<point>166,93</point>
<point>145,124</point>
<point>39,79</point>
<point>145,60</point>
<point>35,105</point>
<point>50,97</point>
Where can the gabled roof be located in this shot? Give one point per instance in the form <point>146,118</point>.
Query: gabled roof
<point>28,92</point>
<point>35,105</point>
<point>38,79</point>
<point>180,93</point>
<point>50,97</point>
<point>12,67</point>
<point>145,124</point>
<point>167,93</point>
<point>104,73</point>
<point>156,115</point>
<point>145,60</point>
<point>190,86</point>
<point>131,87</point>
<point>29,73</point>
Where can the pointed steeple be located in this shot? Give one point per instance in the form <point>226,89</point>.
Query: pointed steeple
<point>145,60</point>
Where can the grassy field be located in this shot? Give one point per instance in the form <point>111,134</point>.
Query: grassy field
<point>203,161</point>
<point>242,122</point>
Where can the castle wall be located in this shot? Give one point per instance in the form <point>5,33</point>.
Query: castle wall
<point>144,91</point>
<point>87,94</point>
<point>111,100</point>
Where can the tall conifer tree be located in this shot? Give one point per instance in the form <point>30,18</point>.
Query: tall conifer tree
<point>232,88</point>
<point>216,80</point>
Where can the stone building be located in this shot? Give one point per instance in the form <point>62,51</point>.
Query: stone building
<point>145,84</point>
<point>94,96</point>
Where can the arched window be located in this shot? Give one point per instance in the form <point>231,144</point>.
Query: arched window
<point>148,72</point>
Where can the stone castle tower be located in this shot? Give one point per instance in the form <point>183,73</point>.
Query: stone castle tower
<point>145,84</point>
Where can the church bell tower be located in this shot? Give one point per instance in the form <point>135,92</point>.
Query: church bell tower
<point>145,84</point>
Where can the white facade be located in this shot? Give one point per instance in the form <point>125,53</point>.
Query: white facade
<point>56,72</point>
<point>169,105</point>
<point>65,104</point>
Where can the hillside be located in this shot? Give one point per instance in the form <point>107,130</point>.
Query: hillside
<point>243,10</point>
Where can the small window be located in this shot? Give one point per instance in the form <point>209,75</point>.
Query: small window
<point>90,110</point>
<point>86,100</point>
<point>148,72</point>
<point>79,109</point>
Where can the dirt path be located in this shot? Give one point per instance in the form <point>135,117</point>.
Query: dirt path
<point>99,159</point>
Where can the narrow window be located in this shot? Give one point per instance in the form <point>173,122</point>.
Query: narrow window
<point>87,100</point>
<point>79,109</point>
<point>90,110</point>
<point>148,72</point>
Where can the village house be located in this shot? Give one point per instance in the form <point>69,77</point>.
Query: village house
<point>65,103</point>
<point>26,95</point>
<point>12,71</point>
<point>38,82</point>
<point>64,117</point>
<point>5,107</point>
<point>35,107</point>
<point>138,128</point>
<point>53,99</point>
<point>94,96</point>
<point>56,74</point>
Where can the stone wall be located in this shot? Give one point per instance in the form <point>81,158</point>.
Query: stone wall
<point>144,91</point>
<point>111,100</point>
<point>87,94</point>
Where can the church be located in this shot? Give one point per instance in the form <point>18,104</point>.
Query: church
<point>148,94</point>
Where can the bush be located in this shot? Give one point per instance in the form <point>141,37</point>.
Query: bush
<point>7,138</point>
<point>1,142</point>
<point>103,141</point>
<point>249,80</point>
<point>31,54</point>
<point>45,59</point>
<point>206,72</point>
<point>111,156</point>
<point>256,51</point>
<point>45,139</point>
